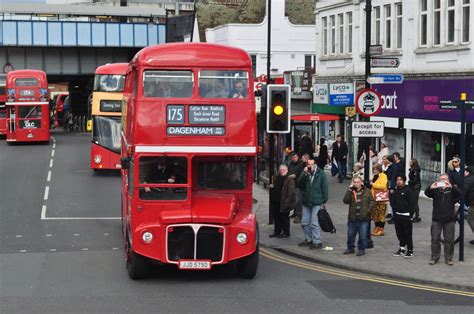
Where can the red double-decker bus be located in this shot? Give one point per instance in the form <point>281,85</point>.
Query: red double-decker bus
<point>188,146</point>
<point>27,106</point>
<point>3,99</point>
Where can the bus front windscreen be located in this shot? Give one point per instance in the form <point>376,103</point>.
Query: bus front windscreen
<point>106,132</point>
<point>109,83</point>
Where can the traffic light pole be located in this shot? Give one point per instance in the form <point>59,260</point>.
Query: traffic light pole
<point>463,193</point>
<point>368,30</point>
<point>271,137</point>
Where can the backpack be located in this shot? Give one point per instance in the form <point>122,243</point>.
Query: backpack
<point>325,221</point>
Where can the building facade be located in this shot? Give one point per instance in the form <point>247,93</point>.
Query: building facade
<point>433,41</point>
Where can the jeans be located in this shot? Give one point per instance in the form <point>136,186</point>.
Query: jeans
<point>342,166</point>
<point>362,228</point>
<point>404,230</point>
<point>448,235</point>
<point>310,224</point>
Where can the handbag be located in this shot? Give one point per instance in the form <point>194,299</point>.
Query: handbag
<point>334,170</point>
<point>325,221</point>
<point>381,196</point>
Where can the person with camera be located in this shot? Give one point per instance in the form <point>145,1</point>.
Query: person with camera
<point>444,196</point>
<point>360,203</point>
<point>403,205</point>
<point>314,187</point>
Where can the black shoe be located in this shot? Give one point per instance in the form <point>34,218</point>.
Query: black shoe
<point>433,262</point>
<point>283,235</point>
<point>340,179</point>
<point>390,222</point>
<point>409,254</point>
<point>305,243</point>
<point>360,253</point>
<point>471,242</point>
<point>273,235</point>
<point>293,215</point>
<point>347,252</point>
<point>416,219</point>
<point>388,217</point>
<point>370,245</point>
<point>317,246</point>
<point>400,252</point>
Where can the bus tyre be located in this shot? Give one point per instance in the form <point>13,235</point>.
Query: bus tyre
<point>247,266</point>
<point>136,264</point>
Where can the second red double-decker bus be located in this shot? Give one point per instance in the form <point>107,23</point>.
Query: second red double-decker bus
<point>27,106</point>
<point>188,149</point>
<point>3,100</point>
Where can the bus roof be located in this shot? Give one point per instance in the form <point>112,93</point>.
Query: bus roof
<point>112,68</point>
<point>26,73</point>
<point>192,55</point>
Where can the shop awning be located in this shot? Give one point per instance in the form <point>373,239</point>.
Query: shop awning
<point>315,117</point>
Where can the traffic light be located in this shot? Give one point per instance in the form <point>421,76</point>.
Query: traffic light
<point>278,108</point>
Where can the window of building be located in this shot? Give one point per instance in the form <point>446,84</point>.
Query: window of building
<point>465,20</point>
<point>437,23</point>
<point>325,36</point>
<point>308,61</point>
<point>377,25</point>
<point>340,18</point>
<point>399,12</point>
<point>349,32</point>
<point>388,26</point>
<point>333,34</point>
<point>450,21</point>
<point>424,23</point>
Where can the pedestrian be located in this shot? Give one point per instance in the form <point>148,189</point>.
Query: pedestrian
<point>360,203</point>
<point>415,184</point>
<point>339,154</point>
<point>454,171</point>
<point>295,168</point>
<point>403,205</point>
<point>383,152</point>
<point>380,194</point>
<point>400,164</point>
<point>390,168</point>
<point>306,145</point>
<point>283,200</point>
<point>444,196</point>
<point>469,193</point>
<point>323,156</point>
<point>314,186</point>
<point>358,171</point>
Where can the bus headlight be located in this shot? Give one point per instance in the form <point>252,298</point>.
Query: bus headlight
<point>147,237</point>
<point>97,159</point>
<point>241,238</point>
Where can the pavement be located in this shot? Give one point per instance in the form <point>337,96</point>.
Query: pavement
<point>378,261</point>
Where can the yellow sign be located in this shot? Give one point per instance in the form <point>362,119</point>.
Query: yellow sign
<point>350,111</point>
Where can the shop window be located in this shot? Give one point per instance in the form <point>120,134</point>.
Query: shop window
<point>427,150</point>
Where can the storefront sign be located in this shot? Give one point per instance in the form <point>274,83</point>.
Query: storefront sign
<point>341,94</point>
<point>368,129</point>
<point>420,99</point>
<point>320,94</point>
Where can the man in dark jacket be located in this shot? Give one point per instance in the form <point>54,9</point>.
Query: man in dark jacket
<point>415,184</point>
<point>283,200</point>
<point>398,160</point>
<point>339,154</point>
<point>295,168</point>
<point>403,206</point>
<point>360,202</point>
<point>444,197</point>
<point>469,193</point>
<point>314,187</point>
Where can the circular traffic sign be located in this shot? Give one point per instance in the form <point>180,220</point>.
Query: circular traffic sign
<point>7,67</point>
<point>368,102</point>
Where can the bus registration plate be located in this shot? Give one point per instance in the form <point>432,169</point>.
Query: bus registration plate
<point>187,264</point>
<point>27,92</point>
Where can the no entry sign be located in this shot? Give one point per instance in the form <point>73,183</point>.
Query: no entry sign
<point>368,102</point>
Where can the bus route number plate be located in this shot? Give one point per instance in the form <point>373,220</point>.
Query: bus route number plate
<point>194,264</point>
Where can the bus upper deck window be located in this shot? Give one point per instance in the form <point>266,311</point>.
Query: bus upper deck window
<point>168,84</point>
<point>26,82</point>
<point>223,84</point>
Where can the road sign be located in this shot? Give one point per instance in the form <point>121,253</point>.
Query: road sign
<point>350,111</point>
<point>386,79</point>
<point>368,129</point>
<point>384,62</point>
<point>369,102</point>
<point>375,50</point>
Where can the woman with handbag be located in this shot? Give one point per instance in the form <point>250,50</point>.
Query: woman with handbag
<point>380,193</point>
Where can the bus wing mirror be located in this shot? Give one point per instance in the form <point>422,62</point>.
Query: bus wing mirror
<point>125,161</point>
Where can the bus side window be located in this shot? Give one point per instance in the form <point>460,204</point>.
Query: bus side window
<point>131,173</point>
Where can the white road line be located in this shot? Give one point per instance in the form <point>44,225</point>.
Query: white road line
<point>51,163</point>
<point>115,248</point>
<point>43,213</point>
<point>82,218</point>
<point>76,234</point>
<point>85,249</point>
<point>22,251</point>
<point>49,235</point>
<point>18,236</point>
<point>54,145</point>
<point>46,193</point>
<point>49,176</point>
<point>52,250</point>
<point>52,153</point>
<point>106,234</point>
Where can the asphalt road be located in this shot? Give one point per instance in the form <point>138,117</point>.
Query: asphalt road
<point>72,259</point>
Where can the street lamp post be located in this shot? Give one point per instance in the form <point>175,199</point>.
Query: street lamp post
<point>368,30</point>
<point>271,136</point>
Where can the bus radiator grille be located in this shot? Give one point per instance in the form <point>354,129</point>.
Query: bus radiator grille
<point>209,244</point>
<point>181,243</point>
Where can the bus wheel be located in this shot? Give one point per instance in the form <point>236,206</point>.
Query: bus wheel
<point>247,266</point>
<point>136,264</point>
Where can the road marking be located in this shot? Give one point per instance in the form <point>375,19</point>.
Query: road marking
<point>106,234</point>
<point>22,251</point>
<point>82,218</point>
<point>49,235</point>
<point>18,236</point>
<point>51,163</point>
<point>52,153</point>
<point>49,176</point>
<point>53,250</point>
<point>115,248</point>
<point>76,234</point>
<point>43,213</point>
<point>46,193</point>
<point>85,249</point>
<point>332,271</point>
<point>54,145</point>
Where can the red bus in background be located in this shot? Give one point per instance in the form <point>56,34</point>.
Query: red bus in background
<point>106,114</point>
<point>59,106</point>
<point>188,147</point>
<point>27,106</point>
<point>3,99</point>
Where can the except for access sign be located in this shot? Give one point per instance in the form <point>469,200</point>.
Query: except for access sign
<point>368,102</point>
<point>368,129</point>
